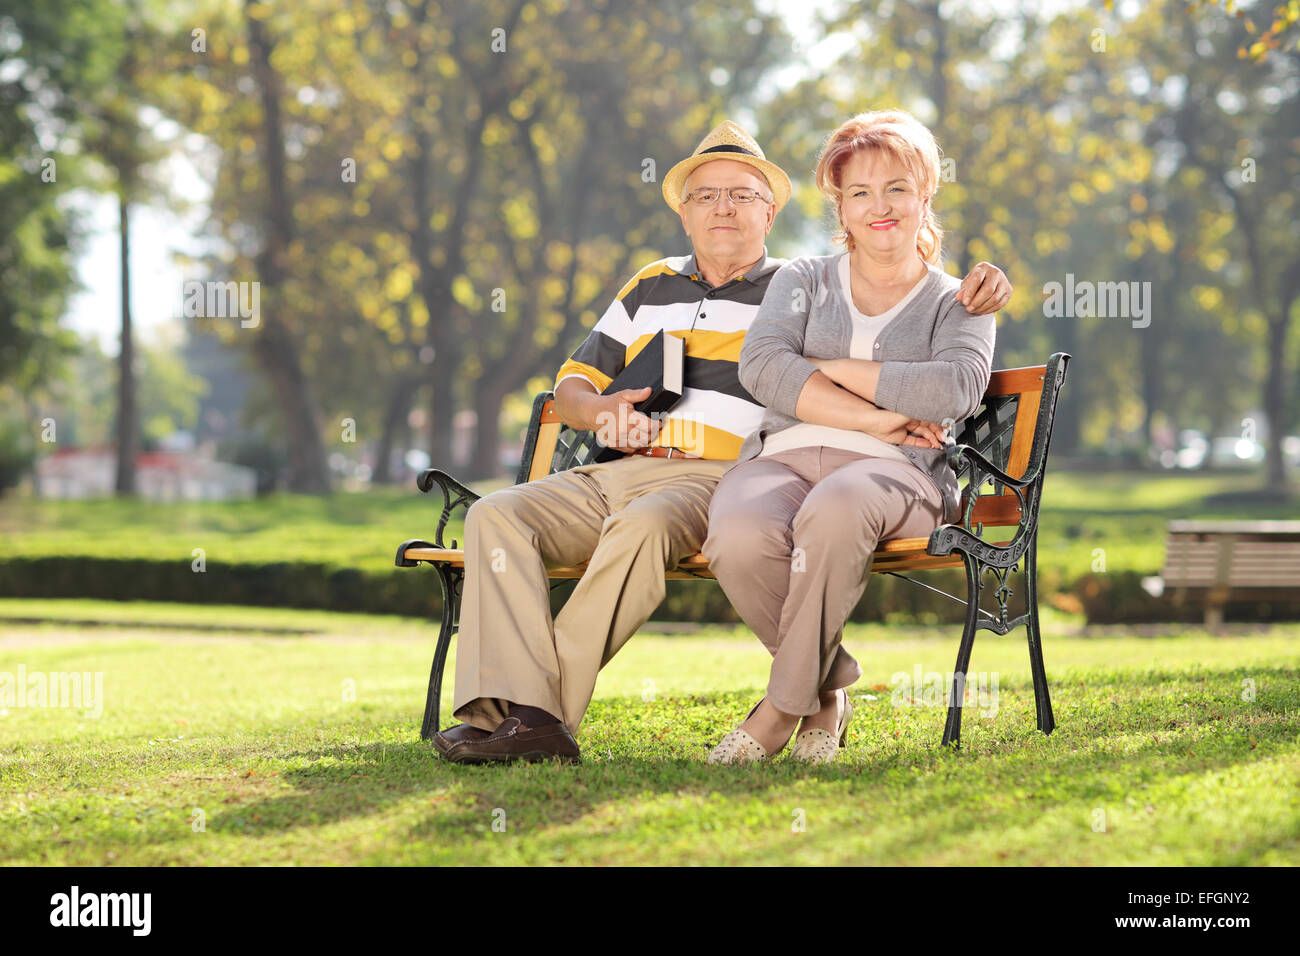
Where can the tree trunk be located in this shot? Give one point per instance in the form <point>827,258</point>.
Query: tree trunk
<point>1275,408</point>
<point>441,411</point>
<point>484,461</point>
<point>277,355</point>
<point>1149,360</point>
<point>274,347</point>
<point>126,429</point>
<point>1067,428</point>
<point>436,279</point>
<point>1149,349</point>
<point>435,289</point>
<point>394,427</point>
<point>938,79</point>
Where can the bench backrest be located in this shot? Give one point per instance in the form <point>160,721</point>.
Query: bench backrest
<point>1011,427</point>
<point>1232,554</point>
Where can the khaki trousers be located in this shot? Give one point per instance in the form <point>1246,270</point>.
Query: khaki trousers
<point>633,518</point>
<point>790,540</point>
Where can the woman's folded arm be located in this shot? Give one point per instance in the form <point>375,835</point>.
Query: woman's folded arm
<point>822,402</point>
<point>774,370</point>
<point>932,390</point>
<point>772,366</point>
<point>952,383</point>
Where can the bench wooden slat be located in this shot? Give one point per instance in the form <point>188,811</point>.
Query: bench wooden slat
<point>996,511</point>
<point>1233,581</point>
<point>547,434</point>
<point>1022,437</point>
<point>1238,545</point>
<point>1291,529</point>
<point>1013,381</point>
<point>897,554</point>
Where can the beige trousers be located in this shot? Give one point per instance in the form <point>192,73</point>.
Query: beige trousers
<point>790,540</point>
<point>634,518</point>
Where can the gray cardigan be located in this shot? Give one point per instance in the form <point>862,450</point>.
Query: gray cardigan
<point>937,356</point>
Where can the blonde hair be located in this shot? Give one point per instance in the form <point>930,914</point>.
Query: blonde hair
<point>900,135</point>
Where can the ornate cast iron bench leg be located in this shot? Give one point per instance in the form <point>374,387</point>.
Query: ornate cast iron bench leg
<point>974,586</point>
<point>454,495</point>
<point>975,569</point>
<point>453,580</point>
<point>1042,699</point>
<point>453,589</point>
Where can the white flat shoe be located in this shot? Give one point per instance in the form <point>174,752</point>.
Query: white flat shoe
<point>817,746</point>
<point>740,746</point>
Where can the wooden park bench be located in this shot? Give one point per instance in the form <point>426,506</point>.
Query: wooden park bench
<point>999,452</point>
<point>1216,562</point>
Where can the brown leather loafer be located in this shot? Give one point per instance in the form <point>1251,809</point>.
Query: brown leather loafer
<point>513,741</point>
<point>444,740</point>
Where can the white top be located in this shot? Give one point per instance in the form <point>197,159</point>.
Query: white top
<point>862,345</point>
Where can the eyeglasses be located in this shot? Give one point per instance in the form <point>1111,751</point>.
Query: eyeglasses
<point>708,195</point>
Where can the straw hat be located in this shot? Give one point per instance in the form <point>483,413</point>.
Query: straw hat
<point>727,141</point>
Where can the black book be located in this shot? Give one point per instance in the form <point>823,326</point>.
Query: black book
<point>660,365</point>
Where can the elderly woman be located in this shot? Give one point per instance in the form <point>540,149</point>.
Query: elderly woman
<point>858,357</point>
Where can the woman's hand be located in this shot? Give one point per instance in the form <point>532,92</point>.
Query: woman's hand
<point>898,429</point>
<point>923,433</point>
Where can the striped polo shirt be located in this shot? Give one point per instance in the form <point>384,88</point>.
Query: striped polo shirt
<point>715,413</point>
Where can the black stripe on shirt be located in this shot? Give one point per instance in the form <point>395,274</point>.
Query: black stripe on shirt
<point>674,290</point>
<point>717,375</point>
<point>603,352</point>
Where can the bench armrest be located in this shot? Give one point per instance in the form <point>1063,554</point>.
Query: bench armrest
<point>454,495</point>
<point>960,456</point>
<point>978,470</point>
<point>967,536</point>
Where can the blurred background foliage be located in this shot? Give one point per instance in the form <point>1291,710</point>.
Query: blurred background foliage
<point>439,199</point>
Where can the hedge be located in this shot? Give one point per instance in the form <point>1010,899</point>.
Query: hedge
<point>1112,597</point>
<point>412,592</point>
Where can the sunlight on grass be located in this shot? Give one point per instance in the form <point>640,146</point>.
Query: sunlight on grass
<point>230,748</point>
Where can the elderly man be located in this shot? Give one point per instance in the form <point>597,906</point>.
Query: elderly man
<point>523,680</point>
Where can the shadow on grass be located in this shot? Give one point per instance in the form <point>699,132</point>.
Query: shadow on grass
<point>635,752</point>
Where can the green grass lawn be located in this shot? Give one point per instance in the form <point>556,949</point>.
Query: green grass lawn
<point>1157,758</point>
<point>359,530</point>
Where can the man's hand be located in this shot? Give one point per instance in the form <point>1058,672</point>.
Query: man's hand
<point>986,289</point>
<point>619,425</point>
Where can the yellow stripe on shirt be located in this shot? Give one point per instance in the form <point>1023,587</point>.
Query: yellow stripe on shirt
<point>698,439</point>
<point>700,343</point>
<point>659,268</point>
<point>595,375</point>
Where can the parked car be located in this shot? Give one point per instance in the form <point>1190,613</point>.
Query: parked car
<point>1226,451</point>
